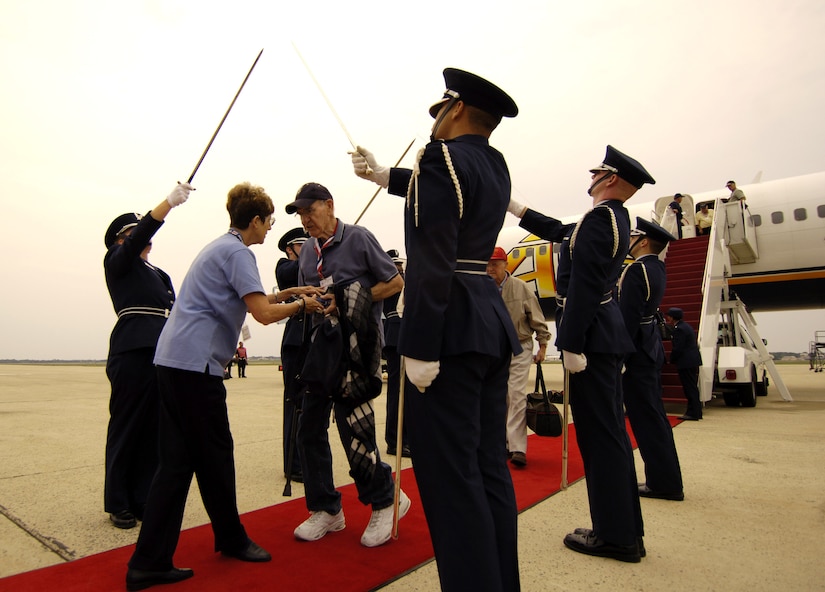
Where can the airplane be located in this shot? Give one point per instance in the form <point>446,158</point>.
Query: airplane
<point>785,218</point>
<point>765,254</point>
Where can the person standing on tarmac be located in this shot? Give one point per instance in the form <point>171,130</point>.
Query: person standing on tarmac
<point>222,285</point>
<point>286,275</point>
<point>640,291</point>
<point>528,319</point>
<point>593,341</point>
<point>142,296</point>
<point>456,335</point>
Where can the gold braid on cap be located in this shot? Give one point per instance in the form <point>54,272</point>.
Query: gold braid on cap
<point>612,223</point>
<point>412,188</point>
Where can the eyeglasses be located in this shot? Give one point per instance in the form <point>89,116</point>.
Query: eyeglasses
<point>269,222</point>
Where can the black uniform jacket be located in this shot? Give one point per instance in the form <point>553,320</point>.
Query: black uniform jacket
<point>455,210</point>
<point>640,292</point>
<point>685,352</point>
<point>142,294</point>
<point>286,274</point>
<point>591,320</point>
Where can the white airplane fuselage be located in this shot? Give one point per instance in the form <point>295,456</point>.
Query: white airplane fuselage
<point>788,222</point>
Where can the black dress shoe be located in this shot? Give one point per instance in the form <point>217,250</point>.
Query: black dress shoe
<point>296,478</point>
<point>689,418</point>
<point>405,451</point>
<point>123,519</point>
<point>590,544</point>
<point>138,579</point>
<point>252,552</point>
<point>639,540</point>
<point>645,491</point>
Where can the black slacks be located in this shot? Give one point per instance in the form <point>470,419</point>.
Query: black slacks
<point>194,440</point>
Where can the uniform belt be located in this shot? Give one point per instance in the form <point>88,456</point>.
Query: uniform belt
<point>391,315</point>
<point>560,300</point>
<point>471,266</point>
<point>144,310</point>
<point>646,320</point>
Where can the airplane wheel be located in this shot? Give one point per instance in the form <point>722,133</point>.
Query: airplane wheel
<point>747,394</point>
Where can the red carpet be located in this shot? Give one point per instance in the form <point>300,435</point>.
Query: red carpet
<point>338,561</point>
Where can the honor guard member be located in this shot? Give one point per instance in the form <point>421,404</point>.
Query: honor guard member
<point>456,335</point>
<point>687,358</point>
<point>392,325</point>
<point>640,292</point>
<point>594,341</point>
<point>142,296</point>
<point>286,275</point>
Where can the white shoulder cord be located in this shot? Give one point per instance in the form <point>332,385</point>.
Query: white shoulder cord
<point>613,224</point>
<point>644,273</point>
<point>412,188</point>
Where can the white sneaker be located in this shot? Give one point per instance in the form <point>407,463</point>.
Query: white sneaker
<point>318,524</point>
<point>379,530</point>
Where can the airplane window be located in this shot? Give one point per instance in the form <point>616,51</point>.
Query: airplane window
<point>777,217</point>
<point>757,219</point>
<point>820,211</point>
<point>516,253</point>
<point>528,252</point>
<point>543,250</point>
<point>799,214</point>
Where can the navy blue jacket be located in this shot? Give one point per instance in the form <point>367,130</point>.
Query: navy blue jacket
<point>685,352</point>
<point>136,285</point>
<point>587,273</point>
<point>641,288</point>
<point>447,220</point>
<point>286,274</point>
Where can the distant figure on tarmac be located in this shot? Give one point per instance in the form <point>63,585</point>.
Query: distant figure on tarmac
<point>240,355</point>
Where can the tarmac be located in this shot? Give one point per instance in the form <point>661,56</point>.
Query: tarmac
<point>752,518</point>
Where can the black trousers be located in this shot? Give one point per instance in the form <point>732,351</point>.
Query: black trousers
<point>690,384</point>
<point>642,390</point>
<point>457,436</point>
<point>292,394</point>
<point>194,440</point>
<point>609,469</point>
<point>132,436</point>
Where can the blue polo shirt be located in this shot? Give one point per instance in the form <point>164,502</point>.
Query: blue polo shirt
<point>202,330</point>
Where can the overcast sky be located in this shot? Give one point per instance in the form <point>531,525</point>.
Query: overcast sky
<point>106,105</point>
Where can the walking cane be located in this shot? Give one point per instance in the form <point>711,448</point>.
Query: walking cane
<point>399,438</point>
<point>565,434</point>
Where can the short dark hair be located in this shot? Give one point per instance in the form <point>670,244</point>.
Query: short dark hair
<point>245,201</point>
<point>481,118</point>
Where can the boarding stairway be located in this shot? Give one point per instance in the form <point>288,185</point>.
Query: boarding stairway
<point>697,273</point>
<point>685,266</point>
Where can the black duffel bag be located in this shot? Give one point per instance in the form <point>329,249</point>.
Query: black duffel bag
<point>542,416</point>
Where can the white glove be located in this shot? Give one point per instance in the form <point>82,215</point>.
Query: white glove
<point>516,208</point>
<point>573,362</point>
<point>365,166</point>
<point>179,194</point>
<point>420,372</point>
